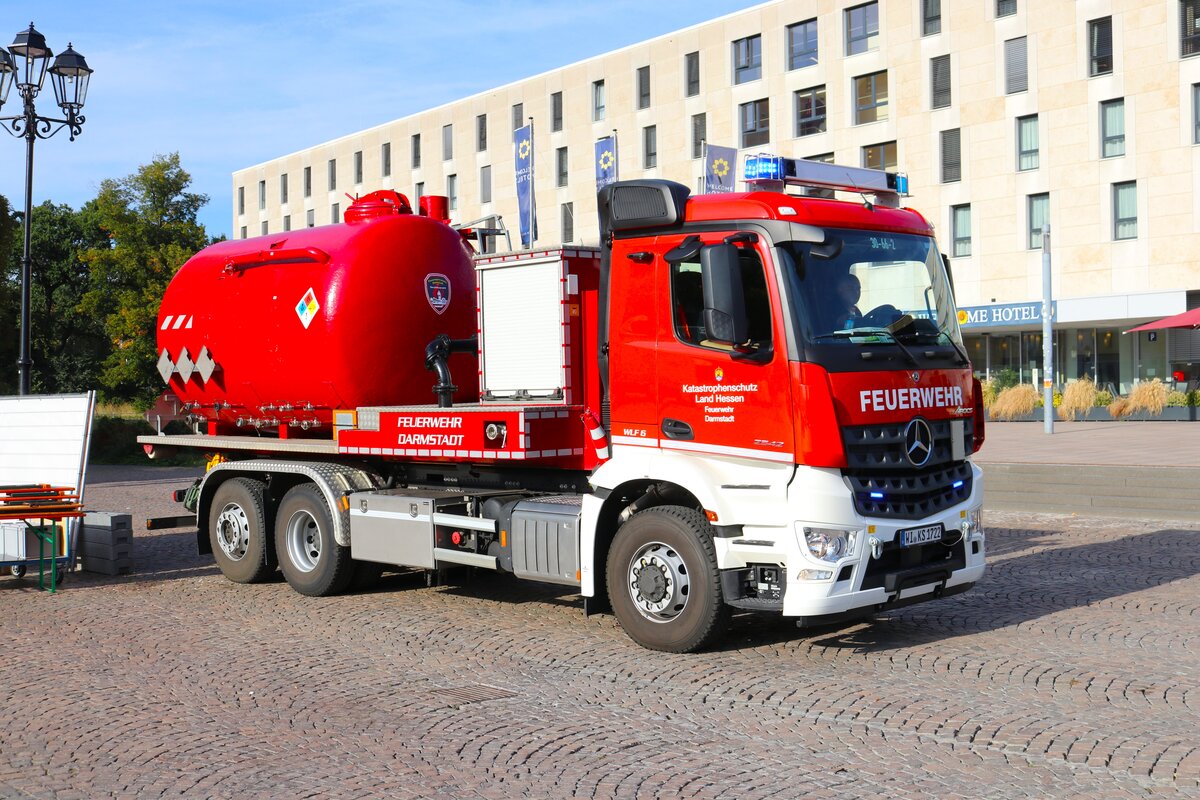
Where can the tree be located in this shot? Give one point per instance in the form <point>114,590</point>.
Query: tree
<point>149,218</point>
<point>66,345</point>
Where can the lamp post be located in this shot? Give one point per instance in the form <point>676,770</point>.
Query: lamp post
<point>25,63</point>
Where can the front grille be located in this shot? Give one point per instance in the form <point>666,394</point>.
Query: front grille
<point>915,566</point>
<point>885,484</point>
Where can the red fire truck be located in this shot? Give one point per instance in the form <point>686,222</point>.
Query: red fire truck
<point>752,401</point>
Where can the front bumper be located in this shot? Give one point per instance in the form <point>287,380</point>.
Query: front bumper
<point>876,571</point>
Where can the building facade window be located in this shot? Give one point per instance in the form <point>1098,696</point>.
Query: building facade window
<point>452,191</point>
<point>560,166</point>
<point>481,133</point>
<point>447,142</point>
<point>862,28</point>
<point>951,155</point>
<point>1028,154</point>
<point>335,213</point>
<point>1038,214</point>
<point>747,59</point>
<point>691,70</point>
<point>416,151</point>
<point>518,118</point>
<point>241,199</point>
<point>931,17</point>
<point>243,233</point>
<point>879,156</point>
<point>1189,27</point>
<point>1124,200</point>
<point>598,109</point>
<point>358,167</point>
<point>939,82</point>
<point>308,181</point>
<point>754,122</point>
<point>419,189</point>
<point>1006,8</point>
<point>485,184</point>
<point>1016,66</point>
<point>1100,49</point>
<point>265,230</point>
<point>310,218</point>
<point>871,98</point>
<point>810,111</point>
<point>802,44</point>
<point>643,87</point>
<point>283,188</point>
<point>556,112</point>
<point>332,174</point>
<point>385,159</point>
<point>650,147</point>
<point>960,230</point>
<point>699,134</point>
<point>287,222</point>
<point>567,221</point>
<point>1196,113</point>
<point>1112,128</point>
<point>262,195</point>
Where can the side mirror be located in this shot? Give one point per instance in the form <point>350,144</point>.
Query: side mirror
<point>724,304</point>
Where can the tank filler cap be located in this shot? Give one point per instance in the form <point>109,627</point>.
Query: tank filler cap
<point>383,203</point>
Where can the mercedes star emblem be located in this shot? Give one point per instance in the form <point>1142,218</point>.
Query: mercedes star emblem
<point>918,442</point>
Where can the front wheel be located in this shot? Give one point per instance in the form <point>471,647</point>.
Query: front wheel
<point>663,580</point>
<point>312,561</point>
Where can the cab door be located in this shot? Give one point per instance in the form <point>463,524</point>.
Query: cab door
<point>720,398</point>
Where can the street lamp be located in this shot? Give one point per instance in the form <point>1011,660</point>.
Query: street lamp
<point>25,65</point>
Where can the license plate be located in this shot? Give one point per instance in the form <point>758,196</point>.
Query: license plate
<point>911,537</point>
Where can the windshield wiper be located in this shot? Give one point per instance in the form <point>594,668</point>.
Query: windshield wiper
<point>871,336</point>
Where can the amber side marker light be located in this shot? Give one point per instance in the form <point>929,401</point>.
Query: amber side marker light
<point>712,515</point>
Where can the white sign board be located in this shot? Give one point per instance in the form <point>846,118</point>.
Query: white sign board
<point>44,439</point>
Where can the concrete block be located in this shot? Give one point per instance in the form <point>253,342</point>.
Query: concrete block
<point>112,551</point>
<point>105,566</point>
<point>91,533</point>
<point>108,519</point>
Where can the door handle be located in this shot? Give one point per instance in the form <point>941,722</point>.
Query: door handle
<point>675,429</point>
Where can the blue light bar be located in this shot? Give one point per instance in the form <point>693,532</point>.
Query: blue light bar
<point>763,168</point>
<point>878,495</point>
<point>956,484</point>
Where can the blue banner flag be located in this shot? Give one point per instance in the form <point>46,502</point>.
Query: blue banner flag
<point>606,162</point>
<point>719,166</point>
<point>523,143</point>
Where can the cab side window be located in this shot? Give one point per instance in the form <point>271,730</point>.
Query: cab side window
<point>687,301</point>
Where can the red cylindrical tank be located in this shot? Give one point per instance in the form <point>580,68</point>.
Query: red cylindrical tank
<point>282,330</point>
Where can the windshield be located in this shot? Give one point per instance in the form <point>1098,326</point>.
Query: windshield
<point>864,287</point>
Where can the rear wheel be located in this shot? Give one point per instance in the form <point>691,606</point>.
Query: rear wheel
<point>237,531</point>
<point>663,580</point>
<point>312,561</point>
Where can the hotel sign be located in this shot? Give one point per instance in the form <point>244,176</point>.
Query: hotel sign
<point>1005,314</point>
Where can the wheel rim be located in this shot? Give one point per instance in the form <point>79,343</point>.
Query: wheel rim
<point>658,582</point>
<point>303,541</point>
<point>233,532</point>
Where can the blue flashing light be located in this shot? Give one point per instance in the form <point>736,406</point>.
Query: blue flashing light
<point>763,168</point>
<point>876,495</point>
<point>901,185</point>
<point>956,484</point>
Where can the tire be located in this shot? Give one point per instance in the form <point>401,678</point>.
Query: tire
<point>663,581</point>
<point>238,531</point>
<point>312,561</point>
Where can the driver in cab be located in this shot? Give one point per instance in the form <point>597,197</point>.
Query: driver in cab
<point>847,292</point>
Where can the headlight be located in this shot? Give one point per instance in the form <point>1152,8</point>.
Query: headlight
<point>829,544</point>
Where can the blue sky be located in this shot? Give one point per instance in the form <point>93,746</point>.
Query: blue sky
<point>232,84</point>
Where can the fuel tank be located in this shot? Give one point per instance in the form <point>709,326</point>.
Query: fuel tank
<point>279,331</point>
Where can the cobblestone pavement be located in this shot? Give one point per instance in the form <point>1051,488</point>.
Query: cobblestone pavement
<point>1072,670</point>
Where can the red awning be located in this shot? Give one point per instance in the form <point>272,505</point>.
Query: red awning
<point>1188,319</point>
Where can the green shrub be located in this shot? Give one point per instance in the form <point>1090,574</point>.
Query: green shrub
<point>1177,399</point>
<point>1194,398</point>
<point>989,392</point>
<point>114,441</point>
<point>1103,399</point>
<point>1005,379</point>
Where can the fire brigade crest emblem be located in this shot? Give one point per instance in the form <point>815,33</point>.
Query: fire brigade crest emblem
<point>437,291</point>
<point>719,374</point>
